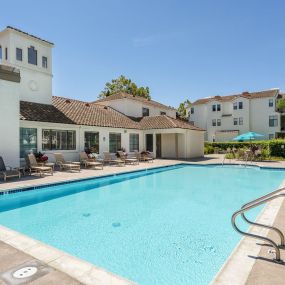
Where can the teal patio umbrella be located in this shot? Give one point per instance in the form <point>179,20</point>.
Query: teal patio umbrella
<point>248,136</point>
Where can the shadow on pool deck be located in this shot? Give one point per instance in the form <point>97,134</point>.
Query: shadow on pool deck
<point>265,271</point>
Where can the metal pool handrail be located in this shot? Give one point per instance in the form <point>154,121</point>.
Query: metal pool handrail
<point>282,239</point>
<point>252,205</point>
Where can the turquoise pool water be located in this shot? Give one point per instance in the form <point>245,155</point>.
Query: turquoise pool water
<point>163,227</point>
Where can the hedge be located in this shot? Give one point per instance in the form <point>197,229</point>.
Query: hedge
<point>276,147</point>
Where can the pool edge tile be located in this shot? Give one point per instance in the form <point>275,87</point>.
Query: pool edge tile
<point>74,267</point>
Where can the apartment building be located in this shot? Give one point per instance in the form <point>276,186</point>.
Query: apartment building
<point>225,117</point>
<point>32,119</point>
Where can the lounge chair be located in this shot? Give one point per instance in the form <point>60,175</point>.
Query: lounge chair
<point>66,165</point>
<point>86,161</point>
<point>7,173</point>
<point>34,166</point>
<point>146,156</point>
<point>126,159</point>
<point>110,160</point>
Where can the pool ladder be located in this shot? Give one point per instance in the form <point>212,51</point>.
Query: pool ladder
<point>255,203</point>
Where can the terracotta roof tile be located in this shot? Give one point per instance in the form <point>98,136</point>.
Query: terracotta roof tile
<point>83,113</point>
<point>248,95</point>
<point>69,111</point>
<point>165,122</point>
<point>42,113</point>
<point>123,95</point>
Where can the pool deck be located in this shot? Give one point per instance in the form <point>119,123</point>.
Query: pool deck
<point>15,248</point>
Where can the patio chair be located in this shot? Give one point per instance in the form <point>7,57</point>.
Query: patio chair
<point>146,156</point>
<point>86,161</point>
<point>129,160</point>
<point>66,165</point>
<point>7,173</point>
<point>34,166</point>
<point>110,160</point>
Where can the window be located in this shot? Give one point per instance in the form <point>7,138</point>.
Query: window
<point>91,141</point>
<point>192,110</point>
<point>271,136</point>
<point>114,142</point>
<point>6,53</point>
<point>214,122</point>
<point>0,53</point>
<point>214,108</point>
<point>235,121</point>
<point>32,56</point>
<point>134,142</point>
<point>270,103</point>
<point>273,121</point>
<point>219,123</point>
<point>240,105</point>
<point>162,113</point>
<point>235,105</point>
<point>240,121</point>
<point>145,112</point>
<point>219,107</point>
<point>19,54</point>
<point>44,62</point>
<point>58,140</point>
<point>28,141</point>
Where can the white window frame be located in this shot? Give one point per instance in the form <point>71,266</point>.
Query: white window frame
<point>274,119</point>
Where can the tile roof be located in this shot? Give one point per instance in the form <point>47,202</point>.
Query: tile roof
<point>248,95</point>
<point>69,111</point>
<point>123,95</point>
<point>35,37</point>
<point>42,113</point>
<point>83,113</point>
<point>165,122</point>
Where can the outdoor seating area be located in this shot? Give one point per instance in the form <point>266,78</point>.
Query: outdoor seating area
<point>252,153</point>
<point>39,166</point>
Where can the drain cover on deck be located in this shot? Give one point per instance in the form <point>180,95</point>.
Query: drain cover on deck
<point>25,272</point>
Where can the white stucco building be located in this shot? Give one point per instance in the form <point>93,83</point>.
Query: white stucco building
<point>31,119</point>
<point>225,117</point>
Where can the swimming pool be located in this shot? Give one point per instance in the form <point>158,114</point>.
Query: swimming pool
<point>160,227</point>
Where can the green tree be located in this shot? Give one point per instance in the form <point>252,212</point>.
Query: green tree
<point>182,109</point>
<point>281,104</point>
<point>123,84</point>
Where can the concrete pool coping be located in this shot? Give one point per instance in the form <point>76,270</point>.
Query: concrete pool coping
<point>239,264</point>
<point>88,273</point>
<point>76,268</point>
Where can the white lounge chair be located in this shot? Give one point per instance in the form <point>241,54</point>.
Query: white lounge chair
<point>86,161</point>
<point>66,165</point>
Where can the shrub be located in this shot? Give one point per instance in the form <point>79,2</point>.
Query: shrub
<point>277,148</point>
<point>229,156</point>
<point>268,148</point>
<point>208,149</point>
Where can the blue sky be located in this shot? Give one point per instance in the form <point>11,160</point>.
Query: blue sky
<point>180,49</point>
